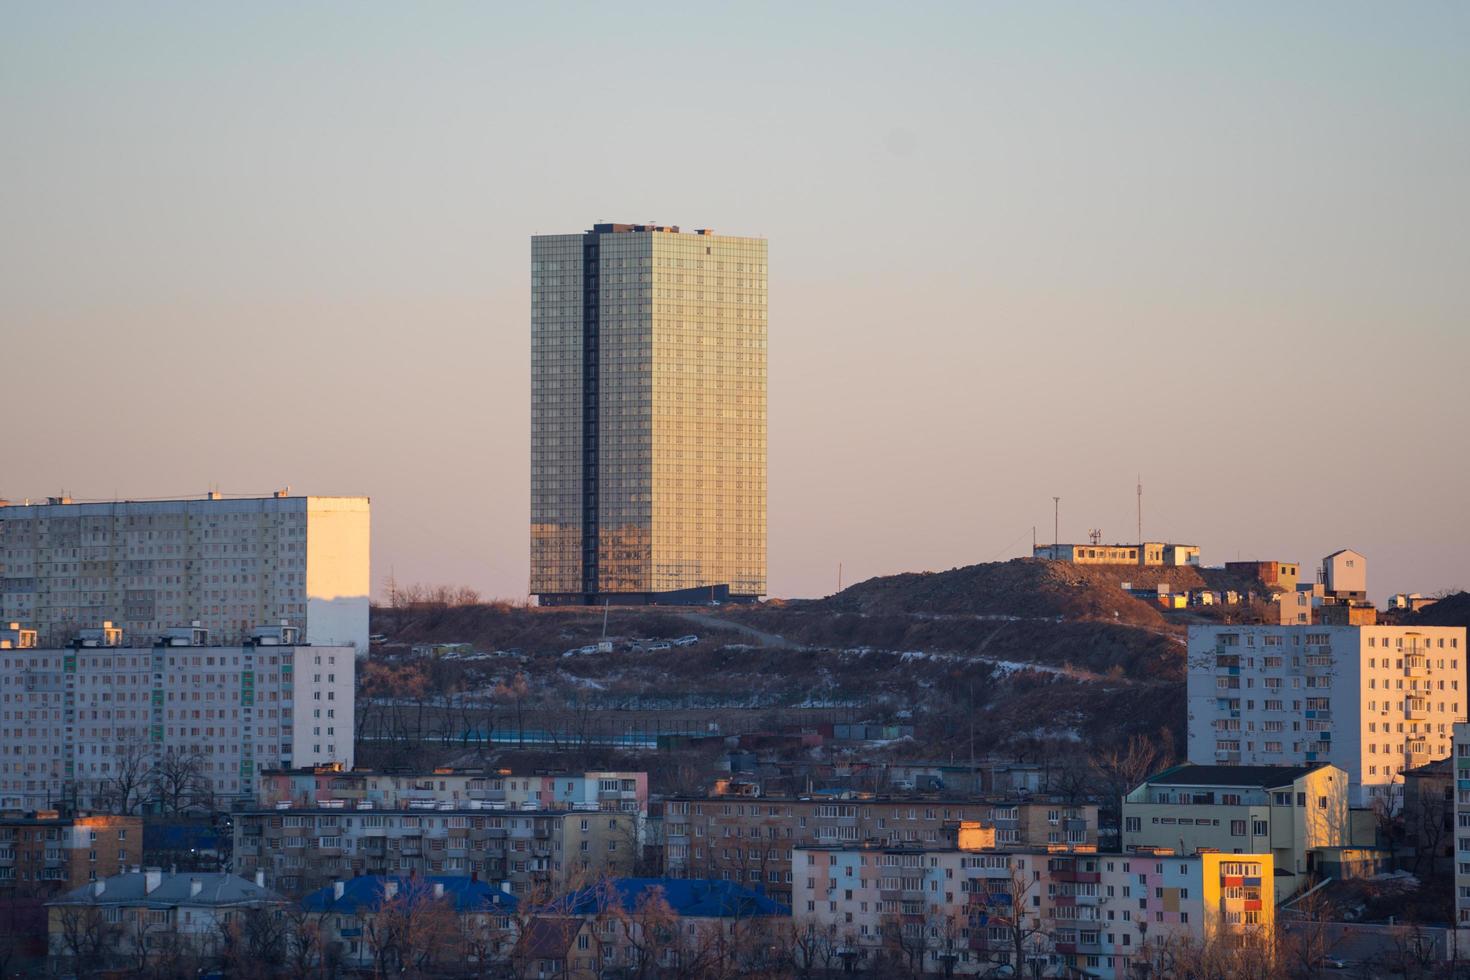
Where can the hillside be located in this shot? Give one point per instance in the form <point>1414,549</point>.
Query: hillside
<point>1452,610</point>
<point>1029,587</point>
<point>1028,651</point>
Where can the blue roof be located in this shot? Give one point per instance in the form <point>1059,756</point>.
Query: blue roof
<point>366,892</point>
<point>699,897</point>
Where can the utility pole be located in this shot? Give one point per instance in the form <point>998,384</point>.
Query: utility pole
<point>839,576</point>
<point>1056,524</point>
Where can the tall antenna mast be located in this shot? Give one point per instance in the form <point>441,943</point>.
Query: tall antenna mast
<point>1140,510</point>
<point>1056,524</point>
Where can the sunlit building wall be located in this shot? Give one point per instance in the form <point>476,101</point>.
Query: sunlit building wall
<point>229,564</point>
<point>648,416</point>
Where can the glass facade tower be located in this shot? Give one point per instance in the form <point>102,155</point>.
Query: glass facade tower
<point>648,416</point>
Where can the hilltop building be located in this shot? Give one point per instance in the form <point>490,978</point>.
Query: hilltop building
<point>98,724</point>
<point>227,565</point>
<point>648,416</point>
<point>1371,700</point>
<point>1280,576</point>
<point>1148,553</point>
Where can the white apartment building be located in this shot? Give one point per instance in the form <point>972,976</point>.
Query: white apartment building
<point>1371,700</point>
<point>1462,834</point>
<point>89,724</point>
<point>1066,913</point>
<point>229,565</point>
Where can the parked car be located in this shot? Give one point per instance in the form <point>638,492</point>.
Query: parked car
<point>660,645</point>
<point>686,641</point>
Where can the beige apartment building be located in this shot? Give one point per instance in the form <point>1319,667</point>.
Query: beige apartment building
<point>229,565</point>
<point>42,851</point>
<point>750,839</point>
<point>1290,811</point>
<point>648,416</point>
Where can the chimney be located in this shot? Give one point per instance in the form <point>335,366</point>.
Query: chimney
<point>152,878</point>
<point>98,887</point>
<point>338,888</point>
<point>390,889</point>
<point>505,886</point>
<point>260,879</point>
<point>474,875</point>
<point>438,889</point>
<point>195,887</point>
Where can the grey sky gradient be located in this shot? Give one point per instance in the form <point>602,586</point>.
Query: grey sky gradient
<point>1017,250</point>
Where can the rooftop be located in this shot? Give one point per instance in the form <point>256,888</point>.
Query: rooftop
<point>131,889</point>
<point>1262,777</point>
<point>372,891</point>
<point>698,897</point>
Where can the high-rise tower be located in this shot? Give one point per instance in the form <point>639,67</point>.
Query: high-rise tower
<point>648,416</point>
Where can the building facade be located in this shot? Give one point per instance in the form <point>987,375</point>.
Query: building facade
<point>338,785</point>
<point>1289,811</point>
<point>1021,913</point>
<point>44,851</point>
<point>1147,553</point>
<point>1371,700</point>
<point>648,416</point>
<point>1462,832</point>
<point>120,727</point>
<point>533,852</point>
<point>1345,574</point>
<point>135,913</point>
<point>464,923</point>
<point>1278,575</point>
<point>229,565</point>
<point>751,840</point>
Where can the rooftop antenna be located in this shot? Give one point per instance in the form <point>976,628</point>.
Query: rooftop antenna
<point>1056,523</point>
<point>1095,534</point>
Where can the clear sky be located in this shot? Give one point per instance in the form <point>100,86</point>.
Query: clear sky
<point>1017,251</point>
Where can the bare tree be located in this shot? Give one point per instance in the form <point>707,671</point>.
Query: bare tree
<point>515,690</point>
<point>84,937</point>
<point>413,932</point>
<point>180,783</point>
<point>1119,770</point>
<point>1017,936</point>
<point>126,785</point>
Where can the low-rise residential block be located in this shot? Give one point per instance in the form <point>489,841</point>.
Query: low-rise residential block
<point>1289,811</point>
<point>1022,913</point>
<point>43,851</point>
<point>135,917</point>
<point>534,852</point>
<point>750,840</point>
